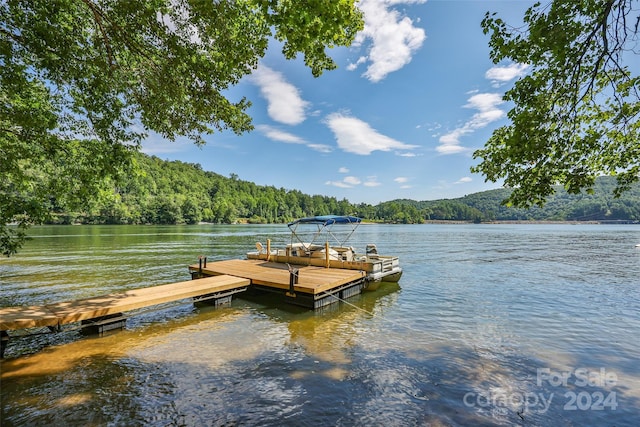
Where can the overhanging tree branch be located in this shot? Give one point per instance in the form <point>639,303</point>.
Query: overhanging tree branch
<point>576,114</point>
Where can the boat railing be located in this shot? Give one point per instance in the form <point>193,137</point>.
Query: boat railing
<point>387,264</point>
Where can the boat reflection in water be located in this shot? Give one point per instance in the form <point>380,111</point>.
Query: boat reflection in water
<point>331,333</point>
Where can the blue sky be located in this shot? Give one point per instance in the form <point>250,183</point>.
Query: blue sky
<point>400,117</point>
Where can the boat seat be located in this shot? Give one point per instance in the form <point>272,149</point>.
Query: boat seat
<point>345,252</point>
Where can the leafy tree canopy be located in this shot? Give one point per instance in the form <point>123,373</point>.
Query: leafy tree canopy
<point>83,81</point>
<point>576,113</point>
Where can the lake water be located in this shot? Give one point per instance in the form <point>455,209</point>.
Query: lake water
<point>490,325</point>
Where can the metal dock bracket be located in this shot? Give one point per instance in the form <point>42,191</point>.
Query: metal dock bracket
<point>293,280</point>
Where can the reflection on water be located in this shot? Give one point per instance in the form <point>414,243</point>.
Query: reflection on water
<point>483,325</point>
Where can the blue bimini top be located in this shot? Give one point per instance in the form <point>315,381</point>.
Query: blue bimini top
<point>327,220</point>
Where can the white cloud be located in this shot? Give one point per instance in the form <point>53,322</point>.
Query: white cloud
<point>279,135</point>
<point>508,73</point>
<point>484,101</point>
<point>322,148</point>
<point>487,104</point>
<point>352,180</point>
<point>276,134</point>
<point>403,180</point>
<point>463,180</point>
<point>343,170</point>
<point>339,184</point>
<point>355,136</point>
<point>353,66</point>
<point>285,105</point>
<point>394,38</point>
<point>450,149</point>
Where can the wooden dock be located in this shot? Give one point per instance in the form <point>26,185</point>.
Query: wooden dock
<point>215,282</point>
<point>309,286</point>
<point>105,312</point>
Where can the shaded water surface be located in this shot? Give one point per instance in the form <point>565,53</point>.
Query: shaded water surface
<point>490,325</point>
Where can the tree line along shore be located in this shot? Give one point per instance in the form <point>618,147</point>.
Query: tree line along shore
<point>175,192</point>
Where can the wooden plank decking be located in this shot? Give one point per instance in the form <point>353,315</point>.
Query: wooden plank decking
<point>223,276</point>
<point>26,317</point>
<point>61,313</point>
<point>314,287</point>
<point>311,279</point>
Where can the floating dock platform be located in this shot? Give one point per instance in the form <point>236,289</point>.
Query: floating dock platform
<point>213,283</point>
<point>308,286</point>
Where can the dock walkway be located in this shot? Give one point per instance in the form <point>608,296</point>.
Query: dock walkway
<point>107,309</point>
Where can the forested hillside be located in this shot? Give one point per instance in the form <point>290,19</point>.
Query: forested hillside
<point>174,192</point>
<point>600,205</point>
<point>164,192</point>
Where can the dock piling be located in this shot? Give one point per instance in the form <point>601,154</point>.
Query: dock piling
<point>101,325</point>
<point>3,344</point>
<point>293,280</point>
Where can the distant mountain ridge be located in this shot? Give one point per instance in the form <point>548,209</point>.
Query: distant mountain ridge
<point>601,205</point>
